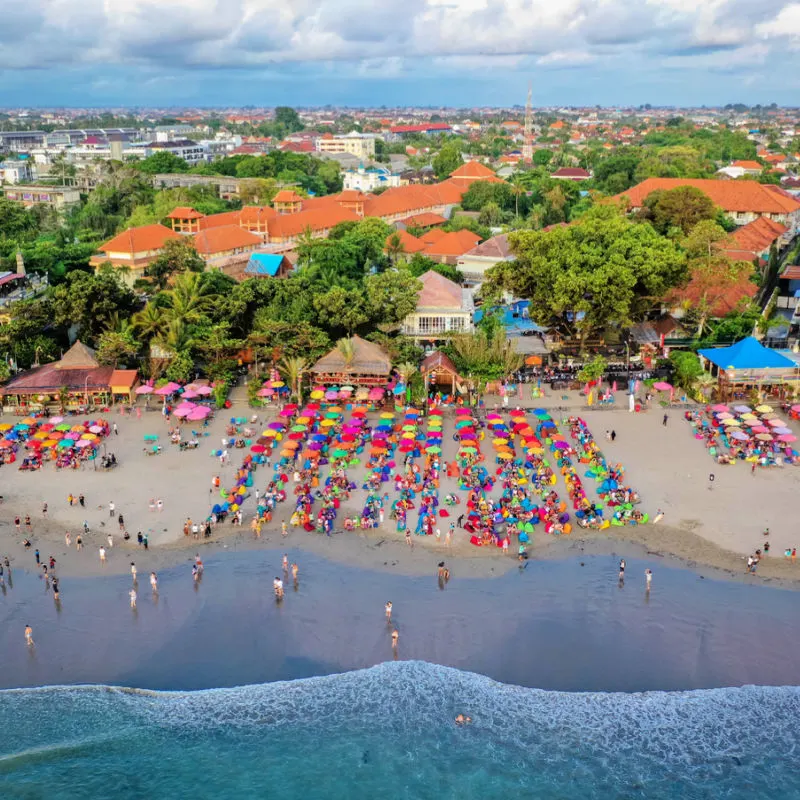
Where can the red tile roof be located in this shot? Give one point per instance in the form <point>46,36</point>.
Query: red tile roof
<point>428,126</point>
<point>184,212</point>
<point>432,236</point>
<point>350,196</point>
<point>123,377</point>
<point>424,220</point>
<point>287,196</point>
<point>412,198</point>
<point>571,172</point>
<point>439,292</point>
<point>224,238</point>
<point>758,235</point>
<point>473,170</point>
<point>288,225</point>
<point>496,247</point>
<point>748,165</point>
<point>734,196</point>
<point>410,243</point>
<point>139,240</point>
<point>452,244</point>
<point>224,218</point>
<point>256,214</point>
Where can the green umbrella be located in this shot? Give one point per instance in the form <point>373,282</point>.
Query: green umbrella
<point>64,443</point>
<point>468,450</point>
<point>332,415</point>
<point>464,423</point>
<point>298,428</point>
<point>63,427</point>
<point>409,427</point>
<point>433,449</point>
<point>340,453</point>
<point>527,527</point>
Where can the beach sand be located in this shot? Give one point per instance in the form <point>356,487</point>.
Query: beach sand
<point>705,528</point>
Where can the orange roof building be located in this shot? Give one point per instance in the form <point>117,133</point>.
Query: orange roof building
<point>743,201</point>
<point>449,246</point>
<point>472,171</point>
<point>409,244</point>
<point>185,219</point>
<point>225,241</point>
<point>287,202</point>
<point>133,249</point>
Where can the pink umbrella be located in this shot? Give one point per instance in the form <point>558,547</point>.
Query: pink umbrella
<point>84,443</point>
<point>204,391</point>
<point>144,389</point>
<point>182,412</point>
<point>725,415</point>
<point>189,394</point>
<point>662,386</point>
<point>265,392</point>
<point>720,407</point>
<point>168,388</point>
<point>787,437</point>
<point>776,423</point>
<point>331,395</point>
<point>56,420</point>
<point>187,406</point>
<point>199,413</point>
<point>96,429</point>
<point>375,394</point>
<point>760,429</point>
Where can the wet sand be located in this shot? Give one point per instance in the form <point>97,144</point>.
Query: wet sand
<point>565,624</point>
<point>706,529</point>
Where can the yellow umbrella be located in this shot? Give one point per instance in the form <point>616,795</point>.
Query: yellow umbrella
<point>49,443</point>
<point>6,427</point>
<point>270,433</point>
<point>505,456</point>
<point>88,436</point>
<point>763,409</point>
<point>317,395</point>
<point>278,384</point>
<point>40,435</point>
<point>326,423</point>
<point>287,453</point>
<point>729,423</point>
<point>384,415</point>
<point>335,410</point>
<point>499,441</point>
<point>32,421</point>
<point>749,416</point>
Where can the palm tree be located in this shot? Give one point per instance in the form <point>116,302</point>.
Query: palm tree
<point>394,247</point>
<point>518,190</point>
<point>189,298</point>
<point>293,370</point>
<point>174,338</point>
<point>347,350</point>
<point>704,384</point>
<point>149,322</point>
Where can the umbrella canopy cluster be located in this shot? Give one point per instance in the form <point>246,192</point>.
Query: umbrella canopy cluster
<point>743,424</point>
<point>52,435</point>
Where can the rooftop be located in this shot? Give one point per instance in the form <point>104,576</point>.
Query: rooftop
<point>143,239</point>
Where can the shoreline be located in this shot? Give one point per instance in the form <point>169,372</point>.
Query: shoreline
<point>360,549</point>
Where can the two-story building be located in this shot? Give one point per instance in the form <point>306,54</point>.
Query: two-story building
<point>443,308</point>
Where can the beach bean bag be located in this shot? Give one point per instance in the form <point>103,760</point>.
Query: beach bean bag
<point>443,512</point>
<point>567,528</point>
<point>476,541</point>
<point>618,523</point>
<point>605,524</point>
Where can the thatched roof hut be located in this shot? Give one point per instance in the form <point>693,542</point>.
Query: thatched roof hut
<point>370,365</point>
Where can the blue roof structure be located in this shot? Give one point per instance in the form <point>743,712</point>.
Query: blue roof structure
<point>514,318</point>
<point>264,264</point>
<point>749,353</point>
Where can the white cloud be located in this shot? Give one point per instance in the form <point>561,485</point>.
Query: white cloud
<point>385,36</point>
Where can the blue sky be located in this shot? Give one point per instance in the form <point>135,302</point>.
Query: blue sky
<point>383,52</point>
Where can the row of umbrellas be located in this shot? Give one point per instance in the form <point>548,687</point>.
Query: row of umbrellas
<point>189,392</point>
<point>53,433</point>
<point>762,423</point>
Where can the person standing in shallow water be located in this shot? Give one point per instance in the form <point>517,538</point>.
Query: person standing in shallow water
<point>388,610</point>
<point>648,577</point>
<point>28,635</point>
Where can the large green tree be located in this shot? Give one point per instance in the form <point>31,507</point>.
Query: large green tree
<point>447,160</point>
<point>177,256</point>
<point>601,271</point>
<point>680,208</point>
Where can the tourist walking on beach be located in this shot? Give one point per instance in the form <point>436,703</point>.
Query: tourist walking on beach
<point>114,428</point>
<point>132,595</point>
<point>102,555</point>
<point>664,421</point>
<point>56,595</point>
<point>28,635</point>
<point>68,538</point>
<point>36,554</point>
<point>154,582</point>
<point>133,571</point>
<point>111,508</point>
<point>82,500</point>
<point>78,542</point>
<point>294,573</point>
<point>110,541</point>
<point>121,522</point>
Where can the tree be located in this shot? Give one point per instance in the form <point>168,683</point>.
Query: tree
<point>114,347</point>
<point>682,207</point>
<point>482,192</point>
<point>541,158</point>
<point>447,160</point>
<point>190,298</point>
<point>149,322</point>
<point>219,348</point>
<point>491,215</point>
<point>687,368</point>
<point>341,310</point>
<point>162,161</point>
<point>713,274</point>
<point>394,247</point>
<point>593,370</point>
<point>484,357</point>
<point>293,369</point>
<point>177,256</point>
<point>288,118</point>
<point>419,265</point>
<point>391,295</point>
<point>180,368</point>
<point>89,301</point>
<point>258,191</point>
<point>602,270</point>
<point>347,350</point>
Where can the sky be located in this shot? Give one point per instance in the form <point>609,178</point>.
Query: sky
<point>91,53</point>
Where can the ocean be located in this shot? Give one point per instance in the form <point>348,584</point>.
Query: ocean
<point>389,732</point>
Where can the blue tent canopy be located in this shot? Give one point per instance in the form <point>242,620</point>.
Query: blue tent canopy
<point>749,353</point>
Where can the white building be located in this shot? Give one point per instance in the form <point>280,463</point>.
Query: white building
<point>191,152</point>
<point>12,172</point>
<point>355,143</point>
<point>368,180</point>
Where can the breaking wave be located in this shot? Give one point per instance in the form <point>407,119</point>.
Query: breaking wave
<point>390,729</point>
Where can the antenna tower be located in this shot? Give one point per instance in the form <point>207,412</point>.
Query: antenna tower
<point>527,147</point>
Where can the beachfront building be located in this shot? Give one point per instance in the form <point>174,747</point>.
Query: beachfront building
<point>440,374</point>
<point>131,251</point>
<point>748,366</point>
<point>443,308</point>
<point>76,380</point>
<point>59,197</point>
<point>367,365</point>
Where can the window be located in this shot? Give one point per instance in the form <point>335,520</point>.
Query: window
<point>431,325</point>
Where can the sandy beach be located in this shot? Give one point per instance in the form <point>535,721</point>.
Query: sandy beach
<point>703,528</point>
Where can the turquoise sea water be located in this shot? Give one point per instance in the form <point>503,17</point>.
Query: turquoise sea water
<point>388,732</point>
